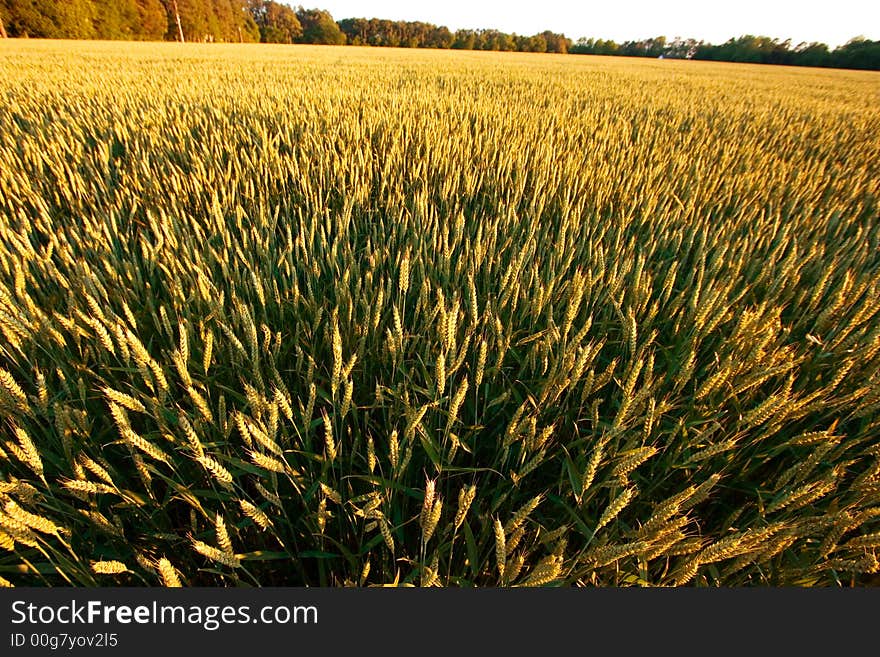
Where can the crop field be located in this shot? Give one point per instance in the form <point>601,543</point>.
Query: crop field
<point>291,315</point>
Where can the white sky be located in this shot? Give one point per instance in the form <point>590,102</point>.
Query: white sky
<point>831,21</point>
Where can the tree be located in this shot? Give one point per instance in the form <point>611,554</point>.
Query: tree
<point>209,20</point>
<point>464,40</point>
<point>536,43</point>
<point>858,53</point>
<point>152,20</point>
<point>277,23</point>
<point>318,26</point>
<point>680,48</point>
<point>812,54</point>
<point>556,42</point>
<point>116,20</point>
<point>655,47</point>
<point>441,37</point>
<point>506,42</point>
<point>356,30</point>
<point>187,20</point>
<point>72,19</point>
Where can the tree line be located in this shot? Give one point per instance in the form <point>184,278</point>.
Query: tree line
<point>858,53</point>
<point>243,21</point>
<point>267,21</point>
<point>408,34</point>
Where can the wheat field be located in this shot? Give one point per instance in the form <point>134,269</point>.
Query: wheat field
<point>346,317</point>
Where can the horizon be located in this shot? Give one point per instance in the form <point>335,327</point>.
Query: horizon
<point>806,21</point>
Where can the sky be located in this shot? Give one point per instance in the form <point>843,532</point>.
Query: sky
<point>830,21</point>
